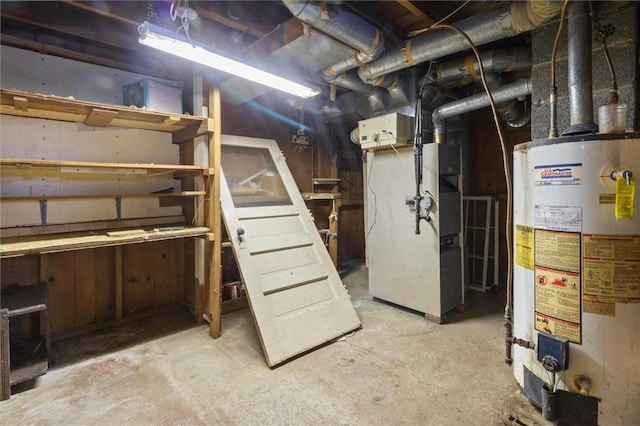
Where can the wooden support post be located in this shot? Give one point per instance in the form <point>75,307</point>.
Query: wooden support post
<point>119,282</point>
<point>214,219</point>
<point>199,150</point>
<point>333,230</point>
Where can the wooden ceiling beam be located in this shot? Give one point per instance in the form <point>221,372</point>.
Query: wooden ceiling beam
<point>51,49</point>
<point>101,12</point>
<point>212,16</point>
<point>414,10</point>
<point>79,25</point>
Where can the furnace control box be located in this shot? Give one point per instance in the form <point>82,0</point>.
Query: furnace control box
<point>385,130</point>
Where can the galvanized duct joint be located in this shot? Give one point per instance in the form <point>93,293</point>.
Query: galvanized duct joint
<point>503,94</point>
<point>376,97</point>
<point>481,29</point>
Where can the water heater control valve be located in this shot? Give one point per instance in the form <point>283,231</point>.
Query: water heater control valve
<point>625,174</point>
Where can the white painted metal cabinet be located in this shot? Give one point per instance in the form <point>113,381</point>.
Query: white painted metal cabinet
<point>422,271</point>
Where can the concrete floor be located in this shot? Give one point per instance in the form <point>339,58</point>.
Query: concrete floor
<point>398,369</point>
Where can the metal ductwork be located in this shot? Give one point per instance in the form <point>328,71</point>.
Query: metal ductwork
<point>466,70</point>
<point>358,34</point>
<point>580,73</point>
<point>503,94</point>
<point>481,29</point>
<point>341,25</point>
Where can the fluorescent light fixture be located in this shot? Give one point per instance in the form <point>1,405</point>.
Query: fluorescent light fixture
<point>166,41</point>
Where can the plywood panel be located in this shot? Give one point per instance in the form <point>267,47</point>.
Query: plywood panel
<point>85,287</point>
<point>105,284</point>
<point>138,278</point>
<point>22,270</point>
<point>60,276</point>
<point>162,273</point>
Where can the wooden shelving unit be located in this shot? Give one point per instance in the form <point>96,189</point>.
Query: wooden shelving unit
<point>200,206</point>
<point>327,190</point>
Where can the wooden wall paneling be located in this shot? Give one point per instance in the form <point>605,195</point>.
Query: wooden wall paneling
<point>21,270</point>
<point>60,277</point>
<point>105,284</point>
<point>352,242</point>
<point>162,273</point>
<point>119,280</point>
<point>138,278</point>
<point>189,277</point>
<point>177,268</point>
<point>486,170</point>
<point>85,287</point>
<point>349,163</point>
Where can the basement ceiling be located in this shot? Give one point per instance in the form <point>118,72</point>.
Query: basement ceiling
<point>106,32</point>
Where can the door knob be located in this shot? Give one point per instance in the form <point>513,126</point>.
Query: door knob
<point>240,234</point>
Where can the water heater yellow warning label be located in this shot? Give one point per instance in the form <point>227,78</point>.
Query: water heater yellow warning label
<point>524,246</point>
<point>557,250</point>
<point>611,268</point>
<point>557,303</point>
<point>557,290</point>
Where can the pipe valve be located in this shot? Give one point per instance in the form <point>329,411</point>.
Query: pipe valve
<point>625,174</point>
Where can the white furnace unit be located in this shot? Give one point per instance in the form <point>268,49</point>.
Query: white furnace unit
<point>421,271</point>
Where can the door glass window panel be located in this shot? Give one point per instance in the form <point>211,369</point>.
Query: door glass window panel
<point>252,177</point>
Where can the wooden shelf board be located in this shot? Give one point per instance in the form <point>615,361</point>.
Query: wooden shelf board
<point>321,196</point>
<point>27,104</point>
<point>83,166</point>
<point>95,196</point>
<point>20,246</point>
<point>326,181</point>
<point>95,226</point>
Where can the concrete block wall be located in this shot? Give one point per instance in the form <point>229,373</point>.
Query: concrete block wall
<point>623,48</point>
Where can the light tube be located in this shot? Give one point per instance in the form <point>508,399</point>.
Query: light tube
<point>161,39</point>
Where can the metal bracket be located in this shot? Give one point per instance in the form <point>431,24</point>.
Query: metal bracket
<point>119,208</point>
<point>43,213</point>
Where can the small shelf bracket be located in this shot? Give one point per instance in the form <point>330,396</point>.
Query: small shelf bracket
<point>119,208</point>
<point>43,213</point>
